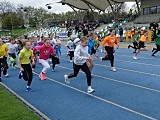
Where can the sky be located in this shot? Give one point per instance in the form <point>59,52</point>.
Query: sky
<point>56,7</point>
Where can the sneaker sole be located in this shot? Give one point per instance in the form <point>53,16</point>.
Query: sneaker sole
<point>90,91</point>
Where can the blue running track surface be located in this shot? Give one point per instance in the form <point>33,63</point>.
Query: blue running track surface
<point>130,93</point>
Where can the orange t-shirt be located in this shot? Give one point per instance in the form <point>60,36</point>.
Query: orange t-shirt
<point>110,41</point>
<point>143,38</point>
<point>129,33</point>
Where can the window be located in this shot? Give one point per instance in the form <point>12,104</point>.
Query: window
<point>158,9</point>
<point>153,10</point>
<point>146,11</point>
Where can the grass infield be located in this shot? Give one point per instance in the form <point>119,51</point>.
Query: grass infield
<point>12,108</point>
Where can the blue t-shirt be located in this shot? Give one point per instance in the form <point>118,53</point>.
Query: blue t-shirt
<point>90,45</point>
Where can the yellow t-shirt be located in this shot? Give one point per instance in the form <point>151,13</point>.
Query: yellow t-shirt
<point>6,49</point>
<point>3,50</point>
<point>25,56</point>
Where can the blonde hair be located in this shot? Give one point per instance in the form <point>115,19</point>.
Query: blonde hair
<point>83,39</point>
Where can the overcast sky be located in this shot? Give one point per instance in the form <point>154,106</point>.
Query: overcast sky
<point>56,7</point>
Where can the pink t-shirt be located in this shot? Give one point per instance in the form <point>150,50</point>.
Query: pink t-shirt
<point>44,51</point>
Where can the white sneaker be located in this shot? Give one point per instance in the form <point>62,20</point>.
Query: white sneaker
<point>70,61</point>
<point>90,90</point>
<point>66,79</point>
<point>134,57</point>
<point>100,59</point>
<point>113,69</point>
<point>6,75</point>
<point>50,60</point>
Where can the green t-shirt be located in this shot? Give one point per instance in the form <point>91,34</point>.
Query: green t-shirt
<point>136,38</point>
<point>69,38</point>
<point>158,40</point>
<point>95,41</point>
<point>25,55</point>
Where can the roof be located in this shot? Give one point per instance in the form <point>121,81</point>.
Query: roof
<point>92,4</point>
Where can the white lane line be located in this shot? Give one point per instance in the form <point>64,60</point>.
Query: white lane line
<point>127,83</point>
<point>139,63</point>
<point>146,53</point>
<point>101,99</point>
<point>137,57</point>
<point>133,62</point>
<point>152,74</point>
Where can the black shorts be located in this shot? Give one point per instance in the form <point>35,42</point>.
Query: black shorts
<point>13,55</point>
<point>141,45</point>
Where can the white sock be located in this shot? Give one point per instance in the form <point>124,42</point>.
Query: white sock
<point>89,87</point>
<point>28,86</point>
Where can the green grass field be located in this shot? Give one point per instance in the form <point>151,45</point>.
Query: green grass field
<point>13,109</point>
<point>16,32</point>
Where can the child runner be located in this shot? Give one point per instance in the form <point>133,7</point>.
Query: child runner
<point>12,52</point>
<point>155,50</point>
<point>108,44</point>
<point>55,59</point>
<point>3,63</point>
<point>135,44</point>
<point>141,46</point>
<point>34,44</point>
<point>91,50</point>
<point>24,63</point>
<point>70,46</point>
<point>44,54</point>
<point>80,57</point>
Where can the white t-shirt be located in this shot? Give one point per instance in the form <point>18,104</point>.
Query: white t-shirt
<point>53,42</point>
<point>12,47</point>
<point>70,45</point>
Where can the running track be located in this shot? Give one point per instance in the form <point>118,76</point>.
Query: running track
<point>131,93</point>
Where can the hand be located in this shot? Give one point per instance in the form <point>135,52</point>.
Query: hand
<point>33,63</point>
<point>21,69</point>
<point>90,58</point>
<point>117,46</point>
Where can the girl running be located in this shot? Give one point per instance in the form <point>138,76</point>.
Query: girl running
<point>12,52</point>
<point>135,42</point>
<point>3,62</point>
<point>44,54</point>
<point>80,57</point>
<point>155,50</point>
<point>141,45</point>
<point>24,63</point>
<point>108,45</point>
<point>70,46</point>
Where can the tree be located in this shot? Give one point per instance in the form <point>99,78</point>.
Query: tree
<point>11,21</point>
<point>6,7</point>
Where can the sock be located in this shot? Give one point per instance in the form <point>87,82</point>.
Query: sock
<point>89,87</point>
<point>28,86</point>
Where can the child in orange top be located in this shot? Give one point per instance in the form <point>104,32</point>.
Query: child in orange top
<point>108,44</point>
<point>141,45</point>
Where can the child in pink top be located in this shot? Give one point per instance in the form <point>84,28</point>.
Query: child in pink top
<point>44,53</point>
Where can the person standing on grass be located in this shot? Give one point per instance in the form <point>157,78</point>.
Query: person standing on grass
<point>155,50</point>
<point>44,53</point>
<point>80,57</point>
<point>3,62</point>
<point>141,45</point>
<point>108,44</point>
<point>24,63</point>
